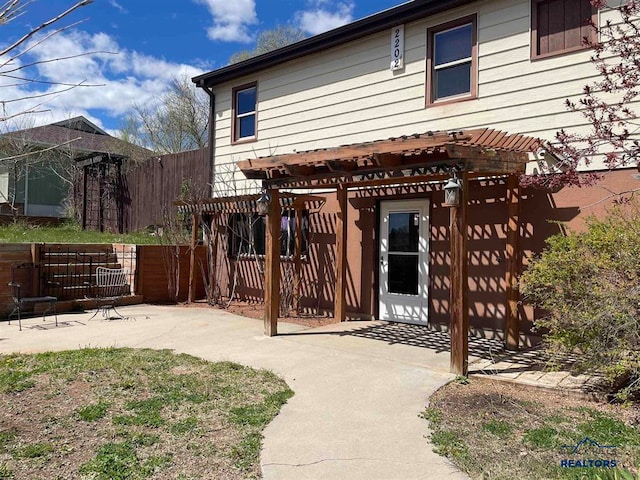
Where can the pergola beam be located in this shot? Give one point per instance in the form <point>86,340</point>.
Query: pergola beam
<point>483,150</point>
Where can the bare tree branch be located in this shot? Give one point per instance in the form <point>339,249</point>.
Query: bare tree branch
<point>44,25</point>
<point>48,149</point>
<point>42,62</point>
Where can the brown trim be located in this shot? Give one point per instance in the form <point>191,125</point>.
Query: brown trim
<point>534,35</point>
<point>234,91</point>
<point>473,94</point>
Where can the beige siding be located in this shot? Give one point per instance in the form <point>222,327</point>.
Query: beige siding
<point>348,94</point>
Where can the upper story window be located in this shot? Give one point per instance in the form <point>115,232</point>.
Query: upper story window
<point>560,26</point>
<point>245,101</point>
<point>451,61</point>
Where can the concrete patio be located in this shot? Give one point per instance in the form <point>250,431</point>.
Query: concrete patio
<point>359,386</point>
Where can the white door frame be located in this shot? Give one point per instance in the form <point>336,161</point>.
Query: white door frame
<point>404,307</point>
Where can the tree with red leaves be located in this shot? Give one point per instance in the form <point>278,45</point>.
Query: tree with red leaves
<point>606,103</point>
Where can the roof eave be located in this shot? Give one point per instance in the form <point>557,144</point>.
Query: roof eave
<point>404,13</point>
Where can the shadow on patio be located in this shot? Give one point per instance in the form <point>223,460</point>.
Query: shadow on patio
<point>488,357</point>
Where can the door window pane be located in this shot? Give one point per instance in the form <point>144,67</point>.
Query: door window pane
<point>403,274</point>
<point>404,235</point>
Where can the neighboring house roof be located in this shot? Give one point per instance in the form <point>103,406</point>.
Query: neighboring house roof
<point>88,139</point>
<point>480,150</point>
<point>81,123</point>
<point>378,22</point>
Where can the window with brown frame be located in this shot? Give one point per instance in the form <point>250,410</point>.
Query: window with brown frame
<point>560,26</point>
<point>452,61</point>
<point>245,109</point>
<point>247,234</point>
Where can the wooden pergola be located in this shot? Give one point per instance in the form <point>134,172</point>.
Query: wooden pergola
<point>245,204</point>
<point>406,160</point>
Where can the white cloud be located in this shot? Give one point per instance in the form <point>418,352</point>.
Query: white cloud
<point>324,15</point>
<point>231,19</point>
<point>116,5</point>
<point>123,78</point>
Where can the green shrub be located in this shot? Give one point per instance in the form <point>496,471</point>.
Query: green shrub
<point>589,285</point>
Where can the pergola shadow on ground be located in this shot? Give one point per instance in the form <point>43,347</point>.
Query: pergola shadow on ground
<point>487,355</point>
<point>489,358</point>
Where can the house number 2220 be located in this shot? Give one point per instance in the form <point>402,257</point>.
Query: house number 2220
<point>397,48</point>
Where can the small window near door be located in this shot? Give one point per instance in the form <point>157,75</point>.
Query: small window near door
<point>451,61</point>
<point>247,234</point>
<point>245,101</point>
<point>561,26</point>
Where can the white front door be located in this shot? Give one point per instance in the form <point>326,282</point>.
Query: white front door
<point>404,261</point>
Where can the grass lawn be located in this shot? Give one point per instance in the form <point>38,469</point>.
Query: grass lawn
<point>112,414</point>
<point>498,431</point>
<point>68,233</point>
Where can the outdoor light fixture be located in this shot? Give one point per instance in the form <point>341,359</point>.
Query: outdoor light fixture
<point>452,191</point>
<point>262,203</point>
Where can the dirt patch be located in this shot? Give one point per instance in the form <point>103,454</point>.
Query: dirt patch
<point>135,414</point>
<point>495,430</point>
<point>256,310</point>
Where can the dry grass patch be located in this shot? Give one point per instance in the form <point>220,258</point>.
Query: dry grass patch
<point>132,414</point>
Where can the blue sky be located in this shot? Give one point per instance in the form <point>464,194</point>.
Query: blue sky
<point>131,49</point>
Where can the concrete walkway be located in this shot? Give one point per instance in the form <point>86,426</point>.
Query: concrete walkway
<point>357,399</point>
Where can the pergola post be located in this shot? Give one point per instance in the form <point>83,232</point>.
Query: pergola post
<point>297,260</point>
<point>213,259</point>
<point>512,327</point>
<point>340,307</point>
<point>272,266</point>
<point>459,289</point>
<point>192,259</point>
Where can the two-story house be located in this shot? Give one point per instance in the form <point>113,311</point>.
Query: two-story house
<point>379,118</point>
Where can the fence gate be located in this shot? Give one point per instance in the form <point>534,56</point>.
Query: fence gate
<point>102,205</point>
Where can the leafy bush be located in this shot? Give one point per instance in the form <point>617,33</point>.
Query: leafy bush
<point>588,283</point>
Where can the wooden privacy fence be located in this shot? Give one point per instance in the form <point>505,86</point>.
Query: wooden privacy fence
<point>113,198</point>
<point>159,265</point>
<point>68,270</point>
<point>153,187</point>
<point>10,254</point>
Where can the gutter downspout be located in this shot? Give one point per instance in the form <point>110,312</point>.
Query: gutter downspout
<point>212,135</point>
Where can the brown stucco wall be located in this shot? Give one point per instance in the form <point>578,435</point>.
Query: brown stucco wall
<point>487,217</point>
